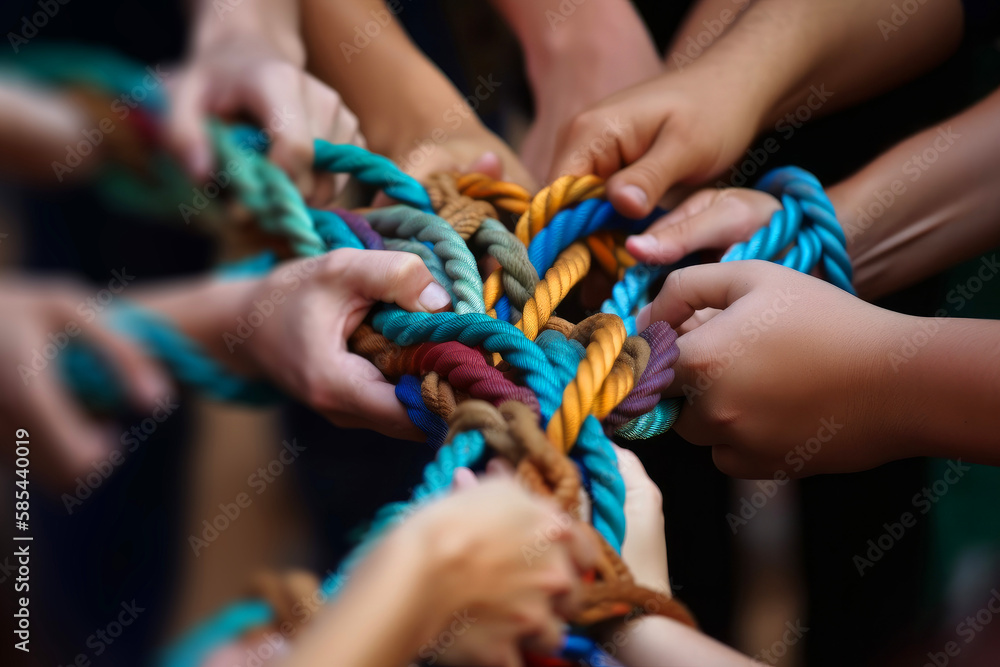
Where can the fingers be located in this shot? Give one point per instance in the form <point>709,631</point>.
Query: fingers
<point>709,219</point>
<point>359,397</point>
<point>56,419</point>
<point>463,479</point>
<point>488,163</point>
<point>145,380</point>
<point>635,189</point>
<point>392,277</point>
<point>186,136</point>
<point>277,101</point>
<point>706,286</point>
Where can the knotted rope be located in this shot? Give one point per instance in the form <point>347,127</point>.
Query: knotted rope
<point>543,407</point>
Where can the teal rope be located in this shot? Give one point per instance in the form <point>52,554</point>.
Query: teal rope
<point>653,423</point>
<point>474,329</point>
<point>630,294</point>
<point>593,449</point>
<point>431,261</point>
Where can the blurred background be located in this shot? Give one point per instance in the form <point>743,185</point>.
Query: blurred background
<point>772,569</point>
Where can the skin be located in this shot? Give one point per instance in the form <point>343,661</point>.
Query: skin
<point>302,347</point>
<point>459,554</point>
<point>568,68</point>
<point>786,363</point>
<point>414,114</point>
<point>249,62</point>
<point>68,439</point>
<point>905,218</point>
<point>688,126</point>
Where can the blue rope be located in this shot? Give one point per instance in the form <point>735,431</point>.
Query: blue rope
<point>809,220</point>
<point>408,393</point>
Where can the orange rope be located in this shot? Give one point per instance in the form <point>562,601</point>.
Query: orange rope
<point>510,197</point>
<point>565,191</point>
<point>569,268</point>
<point>580,394</point>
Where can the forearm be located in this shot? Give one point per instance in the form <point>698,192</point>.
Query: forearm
<point>859,48</point>
<point>399,96</point>
<point>275,21</point>
<point>204,309</point>
<point>926,204</point>
<point>382,617</point>
<point>549,30</point>
<point>941,379</point>
<point>655,641</point>
<point>788,49</point>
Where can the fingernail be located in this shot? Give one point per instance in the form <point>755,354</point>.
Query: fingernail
<point>199,161</point>
<point>642,319</point>
<point>154,388</point>
<point>434,298</point>
<point>636,194</point>
<point>644,243</point>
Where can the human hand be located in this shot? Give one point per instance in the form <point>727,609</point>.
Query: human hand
<point>40,319</point>
<point>789,365</point>
<point>315,305</point>
<point>489,562</point>
<point>645,547</point>
<point>475,150</point>
<point>679,127</point>
<point>246,75</point>
<point>709,219</point>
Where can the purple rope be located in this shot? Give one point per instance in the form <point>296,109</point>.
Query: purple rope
<point>663,352</point>
<point>370,239</point>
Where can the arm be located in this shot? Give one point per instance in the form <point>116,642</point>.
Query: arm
<point>575,55</point>
<point>249,60</point>
<point>687,126</point>
<point>456,565</point>
<point>797,375</point>
<point>292,327</point>
<point>925,205</point>
<point>408,109</point>
<point>921,207</point>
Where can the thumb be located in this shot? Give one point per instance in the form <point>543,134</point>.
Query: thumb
<point>674,237</point>
<point>392,277</point>
<point>635,189</point>
<point>704,286</point>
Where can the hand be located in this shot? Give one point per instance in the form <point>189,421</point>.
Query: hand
<point>40,319</point>
<point>645,547</point>
<point>475,150</point>
<point>315,305</point>
<point>680,127</point>
<point>603,49</point>
<point>709,219</point>
<point>507,559</point>
<point>793,375</point>
<point>246,75</point>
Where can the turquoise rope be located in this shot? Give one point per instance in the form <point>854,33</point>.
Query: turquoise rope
<point>593,449</point>
<point>659,420</point>
<point>808,219</point>
<point>631,293</point>
<point>228,624</point>
<point>476,329</point>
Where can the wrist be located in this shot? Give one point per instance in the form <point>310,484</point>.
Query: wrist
<point>254,22</point>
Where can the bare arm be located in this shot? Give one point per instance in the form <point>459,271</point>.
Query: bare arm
<point>925,205</point>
